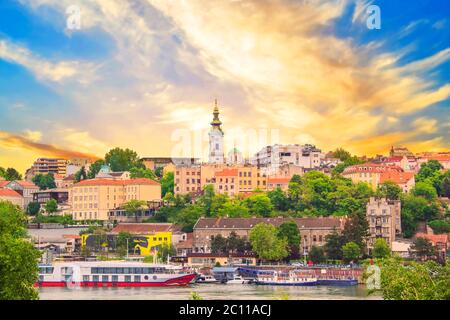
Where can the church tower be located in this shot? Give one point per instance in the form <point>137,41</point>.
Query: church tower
<point>216,154</point>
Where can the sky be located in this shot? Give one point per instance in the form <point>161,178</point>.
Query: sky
<point>144,74</point>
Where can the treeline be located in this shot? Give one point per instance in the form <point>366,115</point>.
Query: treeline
<point>10,174</point>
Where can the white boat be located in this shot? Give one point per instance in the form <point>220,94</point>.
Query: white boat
<point>112,274</point>
<point>289,278</point>
<point>238,280</point>
<point>206,279</point>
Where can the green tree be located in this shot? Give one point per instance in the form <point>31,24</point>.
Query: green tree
<point>18,258</point>
<point>381,249</point>
<point>2,173</point>
<point>279,199</point>
<point>12,174</point>
<point>124,242</point>
<point>351,251</point>
<point>123,160</point>
<point>266,244</point>
<point>424,190</point>
<point>51,206</point>
<point>188,216</point>
<point>389,190</point>
<point>333,245</point>
<point>440,226</point>
<point>44,181</point>
<point>233,209</point>
<point>207,198</point>
<point>95,168</point>
<point>219,244</point>
<point>167,183</point>
<point>289,231</point>
<point>259,205</point>
<point>317,254</point>
<point>423,249</point>
<point>416,281</point>
<point>428,170</point>
<point>33,208</point>
<point>142,173</point>
<point>164,251</point>
<point>81,174</point>
<point>356,230</point>
<point>133,207</point>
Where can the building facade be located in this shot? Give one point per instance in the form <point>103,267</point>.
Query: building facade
<point>49,165</point>
<point>24,188</point>
<point>312,230</point>
<point>12,196</point>
<point>93,199</point>
<point>384,218</point>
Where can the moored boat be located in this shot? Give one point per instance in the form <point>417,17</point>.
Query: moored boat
<point>206,279</point>
<point>112,274</point>
<point>286,278</point>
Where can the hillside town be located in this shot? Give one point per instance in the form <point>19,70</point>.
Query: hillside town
<point>202,214</point>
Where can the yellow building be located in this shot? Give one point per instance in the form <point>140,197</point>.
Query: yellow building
<point>143,245</point>
<point>93,199</point>
<point>370,173</point>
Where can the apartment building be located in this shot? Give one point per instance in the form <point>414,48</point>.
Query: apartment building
<point>374,174</point>
<point>384,218</point>
<point>93,199</point>
<point>270,158</point>
<point>49,165</point>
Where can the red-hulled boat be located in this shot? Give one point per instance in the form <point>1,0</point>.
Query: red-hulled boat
<point>112,274</point>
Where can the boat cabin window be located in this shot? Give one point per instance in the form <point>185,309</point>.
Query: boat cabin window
<point>45,270</point>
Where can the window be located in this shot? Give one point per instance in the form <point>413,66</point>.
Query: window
<point>115,278</point>
<point>105,278</point>
<point>127,278</point>
<point>95,278</point>
<point>85,278</point>
<point>137,278</point>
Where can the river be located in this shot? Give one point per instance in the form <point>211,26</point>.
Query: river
<point>209,292</point>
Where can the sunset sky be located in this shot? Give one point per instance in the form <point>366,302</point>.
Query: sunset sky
<point>139,70</point>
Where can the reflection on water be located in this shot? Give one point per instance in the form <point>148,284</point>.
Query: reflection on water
<point>208,292</point>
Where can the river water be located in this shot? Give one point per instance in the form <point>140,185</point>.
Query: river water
<point>209,292</point>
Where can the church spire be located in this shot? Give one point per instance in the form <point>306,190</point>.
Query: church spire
<point>216,123</point>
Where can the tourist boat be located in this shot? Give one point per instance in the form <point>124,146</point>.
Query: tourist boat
<point>286,278</point>
<point>112,274</point>
<point>206,279</point>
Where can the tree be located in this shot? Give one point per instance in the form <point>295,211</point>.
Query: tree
<point>428,170</point>
<point>416,281</point>
<point>33,208</point>
<point>44,181</point>
<point>389,190</point>
<point>266,244</point>
<point>279,199</point>
<point>440,226</point>
<point>18,258</point>
<point>259,205</point>
<point>424,190</point>
<point>351,251</point>
<point>124,243</point>
<point>95,168</point>
<point>142,173</point>
<point>81,174</point>
<point>123,160</point>
<point>233,209</point>
<point>289,231</point>
<point>317,254</point>
<point>167,183</point>
<point>164,251</point>
<point>206,199</point>
<point>188,216</point>
<point>333,245</point>
<point>2,173</point>
<point>423,249</point>
<point>133,207</point>
<point>356,230</point>
<point>12,174</point>
<point>381,249</point>
<point>219,244</point>
<point>51,206</point>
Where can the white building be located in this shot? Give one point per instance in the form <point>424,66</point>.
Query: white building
<point>216,146</point>
<point>270,158</point>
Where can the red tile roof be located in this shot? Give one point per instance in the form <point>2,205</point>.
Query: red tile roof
<point>434,238</point>
<point>372,167</point>
<point>397,177</point>
<point>4,183</point>
<point>248,223</point>
<point>278,180</point>
<point>105,182</point>
<point>9,193</point>
<point>227,173</point>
